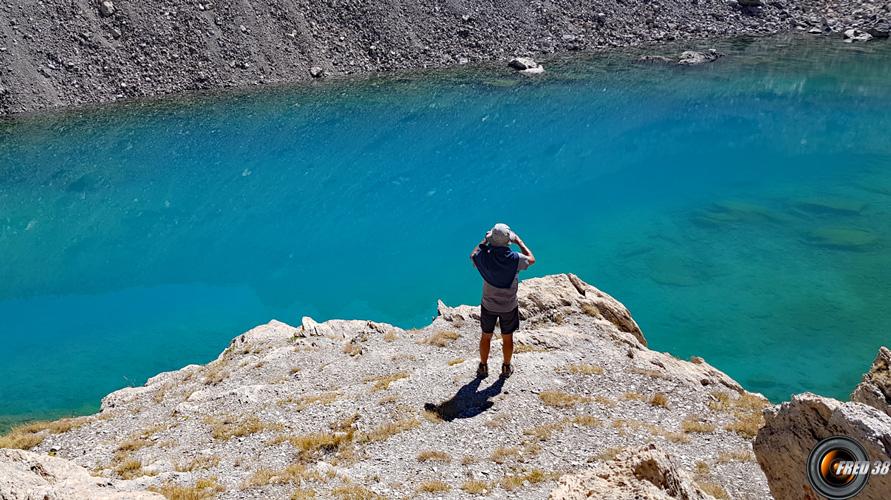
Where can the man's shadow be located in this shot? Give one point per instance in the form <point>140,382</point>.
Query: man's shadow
<point>468,402</point>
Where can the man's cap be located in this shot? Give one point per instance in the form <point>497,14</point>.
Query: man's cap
<point>499,235</point>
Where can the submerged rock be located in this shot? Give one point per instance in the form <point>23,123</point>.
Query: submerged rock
<point>842,238</point>
<point>829,205</point>
<point>647,472</point>
<point>875,388</point>
<point>792,429</point>
<point>692,57</point>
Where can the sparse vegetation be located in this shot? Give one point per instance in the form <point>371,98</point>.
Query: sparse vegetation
<point>303,402</point>
<point>198,463</point>
<point>433,486</point>
<point>520,348</point>
<point>390,429</point>
<point>204,489</point>
<point>303,494</point>
<point>561,399</point>
<point>475,487</point>
<point>591,310</point>
<point>215,372</point>
<point>456,361</point>
<point>504,453</point>
<point>229,427</point>
<point>581,369</point>
<point>291,474</point>
<point>355,492</point>
<point>442,338</point>
<point>633,396</point>
<point>608,454</point>
<point>736,456</point>
<point>701,468</point>
<point>468,460</point>
<point>543,432</point>
<point>713,489</point>
<point>434,456</point>
<point>534,476</point>
<point>27,436</point>
<point>746,410</point>
<point>649,372</point>
<point>659,399</point>
<point>130,469</point>
<point>675,437</point>
<point>383,382</point>
<point>693,425</point>
<point>390,336</point>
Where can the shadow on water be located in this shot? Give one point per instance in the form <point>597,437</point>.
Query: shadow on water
<point>468,402</point>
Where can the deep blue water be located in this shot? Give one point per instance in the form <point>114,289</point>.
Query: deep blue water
<point>739,209</point>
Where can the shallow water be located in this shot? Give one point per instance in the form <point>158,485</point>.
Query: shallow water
<point>740,210</point>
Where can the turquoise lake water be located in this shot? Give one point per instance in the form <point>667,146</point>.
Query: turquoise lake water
<point>739,209</point>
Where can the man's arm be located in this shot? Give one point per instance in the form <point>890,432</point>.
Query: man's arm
<point>523,248</point>
<point>475,250</point>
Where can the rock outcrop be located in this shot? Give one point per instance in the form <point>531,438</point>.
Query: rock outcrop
<point>792,429</point>
<point>647,472</point>
<point>69,53</point>
<point>364,408</point>
<point>875,389</point>
<point>30,476</point>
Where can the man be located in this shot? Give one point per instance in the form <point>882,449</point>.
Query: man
<point>500,267</point>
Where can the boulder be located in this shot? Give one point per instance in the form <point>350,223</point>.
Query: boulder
<point>526,65</point>
<point>875,389</point>
<point>880,29</point>
<point>692,57</point>
<point>316,72</point>
<point>646,472</point>
<point>106,8</point>
<point>25,475</point>
<point>856,35</point>
<point>792,429</point>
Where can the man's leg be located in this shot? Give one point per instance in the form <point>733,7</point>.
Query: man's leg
<point>507,347</point>
<point>485,345</point>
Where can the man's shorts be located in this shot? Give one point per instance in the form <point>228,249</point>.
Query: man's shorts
<point>509,321</point>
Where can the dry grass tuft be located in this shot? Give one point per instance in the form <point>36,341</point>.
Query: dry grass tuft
<point>746,410</point>
<point>442,338</point>
<point>434,486</point>
<point>504,453</point>
<point>746,425</point>
<point>456,361</point>
<point>659,399</point>
<point>303,402</point>
<point>215,372</point>
<point>383,382</point>
<point>736,456</point>
<point>581,369</point>
<point>608,454</point>
<point>561,399</point>
<point>355,492</point>
<point>474,487</point>
<point>303,494</point>
<point>469,460</point>
<point>633,396</point>
<point>198,463</point>
<point>390,336</point>
<point>637,425</point>
<point>524,348</point>
<point>534,476</point>
<point>389,429</point>
<point>701,468</point>
<point>649,373</point>
<point>204,489</point>
<point>130,469</point>
<point>713,489</point>
<point>591,310</point>
<point>691,425</point>
<point>434,456</point>
<point>291,474</point>
<point>229,427</point>
<point>543,432</point>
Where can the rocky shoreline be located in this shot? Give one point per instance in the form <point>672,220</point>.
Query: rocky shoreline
<point>358,409</point>
<point>73,53</point>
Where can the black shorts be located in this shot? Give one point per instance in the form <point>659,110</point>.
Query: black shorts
<point>509,321</point>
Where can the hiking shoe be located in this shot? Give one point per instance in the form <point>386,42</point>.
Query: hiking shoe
<point>507,371</point>
<point>482,371</point>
